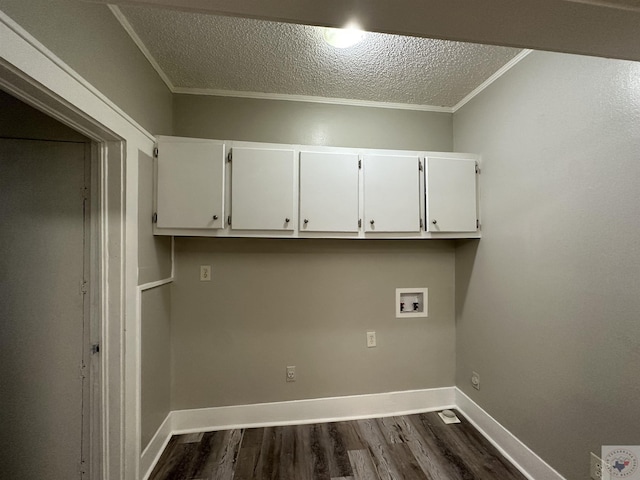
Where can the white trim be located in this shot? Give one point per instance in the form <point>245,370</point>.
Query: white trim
<point>615,4</point>
<point>314,410</point>
<point>504,69</point>
<point>151,454</point>
<point>311,99</point>
<point>157,283</point>
<point>114,278</point>
<point>132,339</point>
<point>522,457</point>
<point>140,44</point>
<point>173,257</point>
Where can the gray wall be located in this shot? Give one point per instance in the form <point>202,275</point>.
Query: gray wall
<point>547,301</point>
<point>278,121</point>
<point>154,263</point>
<point>156,360</point>
<point>308,303</point>
<point>154,253</point>
<point>90,40</point>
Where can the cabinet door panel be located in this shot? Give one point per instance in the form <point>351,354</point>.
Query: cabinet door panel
<point>190,184</point>
<point>391,193</point>
<point>328,192</point>
<point>451,195</point>
<point>262,189</point>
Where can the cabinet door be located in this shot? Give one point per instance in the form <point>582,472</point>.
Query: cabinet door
<point>328,192</point>
<point>451,195</point>
<point>262,189</point>
<point>190,191</point>
<point>391,193</point>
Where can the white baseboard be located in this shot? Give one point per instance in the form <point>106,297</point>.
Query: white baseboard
<point>354,407</point>
<point>312,411</point>
<point>156,446</point>
<point>522,457</point>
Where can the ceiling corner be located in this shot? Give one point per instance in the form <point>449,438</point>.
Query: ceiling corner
<point>141,46</point>
<point>504,69</point>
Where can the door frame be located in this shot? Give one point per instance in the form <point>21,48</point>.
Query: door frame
<point>32,73</point>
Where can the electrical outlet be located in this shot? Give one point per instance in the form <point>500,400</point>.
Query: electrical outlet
<point>291,374</point>
<point>205,273</point>
<point>475,380</point>
<point>371,339</point>
<point>599,470</point>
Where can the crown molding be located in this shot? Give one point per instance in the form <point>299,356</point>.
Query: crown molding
<point>140,44</point>
<point>311,99</point>
<point>499,73</point>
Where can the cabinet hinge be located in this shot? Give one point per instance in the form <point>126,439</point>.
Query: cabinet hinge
<point>229,220</point>
<point>85,193</point>
<point>421,224</point>
<point>419,165</point>
<point>359,223</point>
<point>359,163</point>
<point>84,288</point>
<point>155,152</point>
<point>154,218</point>
<point>229,155</point>
<point>83,371</point>
<point>477,224</point>
<point>95,348</point>
<point>478,170</point>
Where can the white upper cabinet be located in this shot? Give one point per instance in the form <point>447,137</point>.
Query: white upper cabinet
<point>391,193</point>
<point>190,188</point>
<point>246,189</point>
<point>262,189</point>
<point>451,195</point>
<point>328,192</point>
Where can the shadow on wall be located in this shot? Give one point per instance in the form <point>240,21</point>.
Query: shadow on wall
<point>465,259</point>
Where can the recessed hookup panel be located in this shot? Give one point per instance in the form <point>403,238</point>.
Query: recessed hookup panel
<point>412,302</point>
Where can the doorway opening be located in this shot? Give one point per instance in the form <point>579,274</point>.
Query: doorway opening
<point>103,303</point>
<point>49,346</point>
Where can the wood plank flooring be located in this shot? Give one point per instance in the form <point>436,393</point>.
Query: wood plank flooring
<point>409,447</point>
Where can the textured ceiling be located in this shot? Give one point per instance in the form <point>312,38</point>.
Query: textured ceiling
<point>200,51</point>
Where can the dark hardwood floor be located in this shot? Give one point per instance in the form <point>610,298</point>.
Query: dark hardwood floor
<point>407,447</point>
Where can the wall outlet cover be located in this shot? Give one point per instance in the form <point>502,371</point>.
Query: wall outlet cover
<point>475,380</point>
<point>291,374</point>
<point>371,339</point>
<point>205,273</point>
<point>599,470</point>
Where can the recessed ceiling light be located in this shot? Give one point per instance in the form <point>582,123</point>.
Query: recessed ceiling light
<point>343,37</point>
